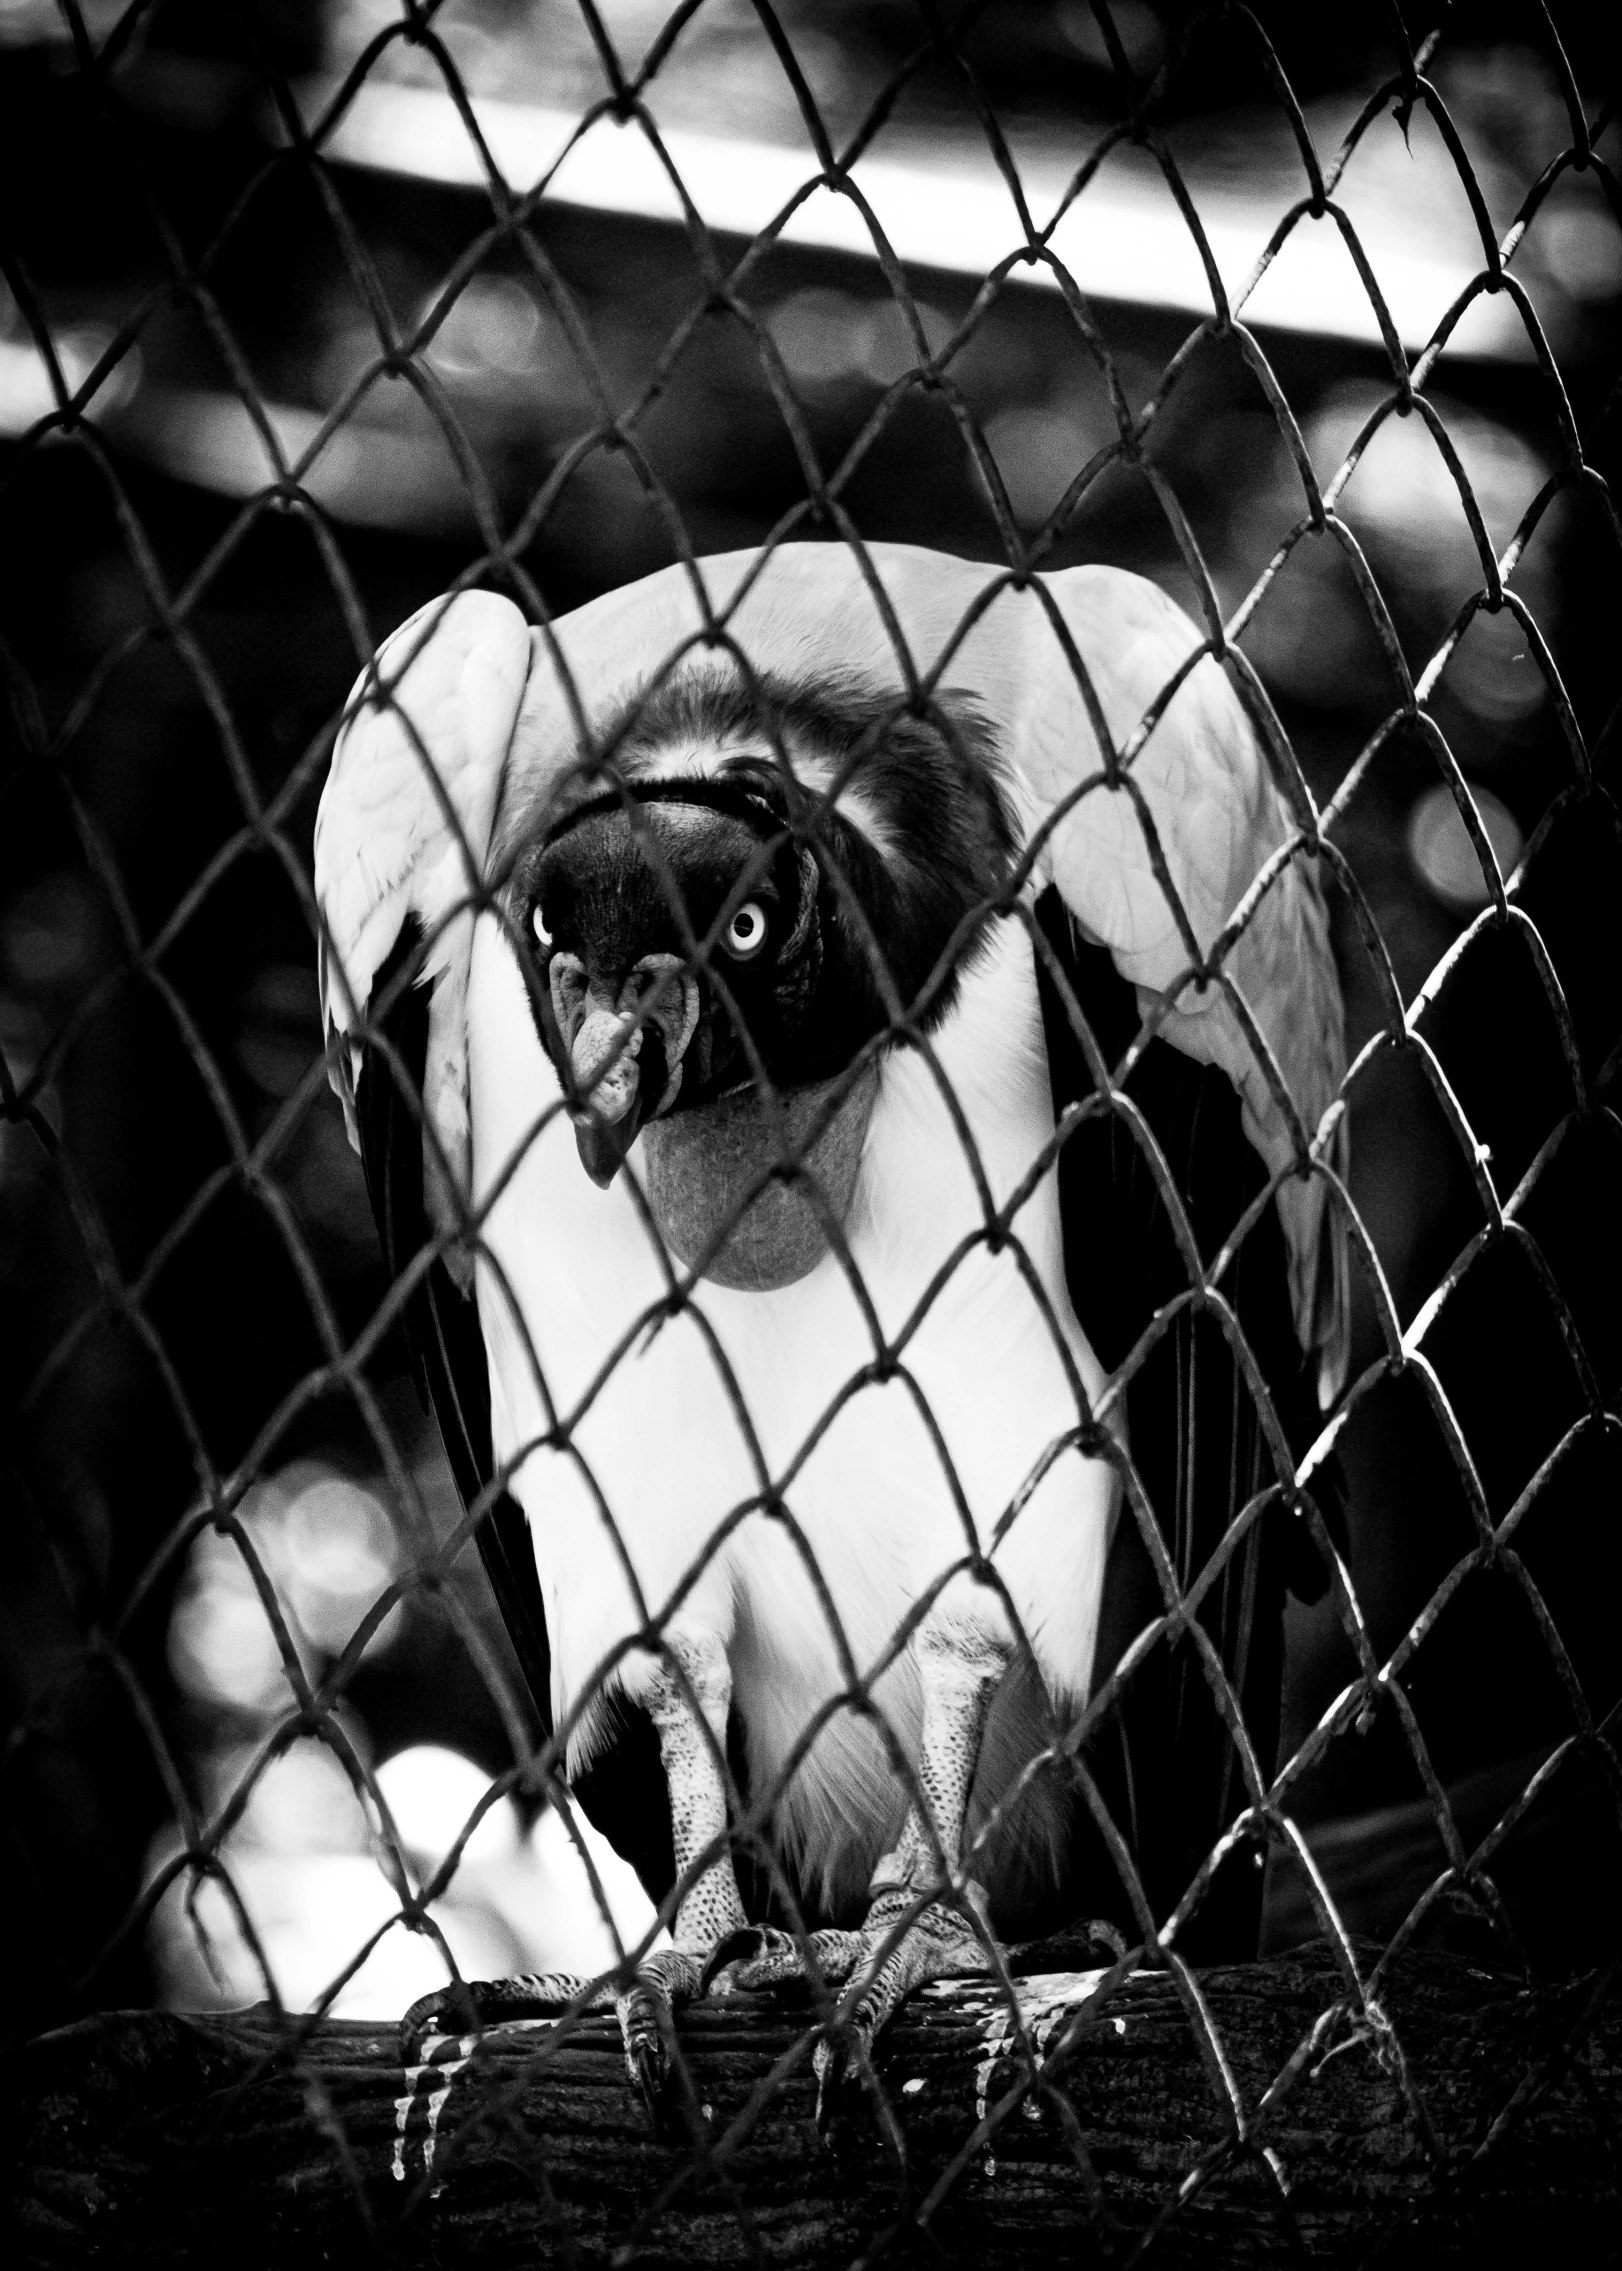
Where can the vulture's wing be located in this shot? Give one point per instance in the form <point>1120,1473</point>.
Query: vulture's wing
<point>1147,856</point>
<point>400,845</point>
<point>1153,863</point>
<point>404,826</point>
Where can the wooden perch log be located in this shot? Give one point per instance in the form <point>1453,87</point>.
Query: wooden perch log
<point>149,2138</point>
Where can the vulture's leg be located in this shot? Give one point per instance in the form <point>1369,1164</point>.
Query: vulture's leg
<point>961,1663</point>
<point>691,1747</point>
<point>963,1655</point>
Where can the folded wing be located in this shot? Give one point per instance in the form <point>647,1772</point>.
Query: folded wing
<point>403,830</point>
<point>400,854</point>
<point>1155,857</point>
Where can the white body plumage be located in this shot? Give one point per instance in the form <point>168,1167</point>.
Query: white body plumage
<point>873,1500</point>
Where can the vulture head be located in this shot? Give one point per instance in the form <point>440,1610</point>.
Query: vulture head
<point>747,887</point>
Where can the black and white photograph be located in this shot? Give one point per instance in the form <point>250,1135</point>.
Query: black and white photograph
<point>810,1133</point>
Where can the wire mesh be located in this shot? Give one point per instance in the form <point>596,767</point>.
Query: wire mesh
<point>255,1525</point>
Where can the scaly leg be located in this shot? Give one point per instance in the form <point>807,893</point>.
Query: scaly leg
<point>710,1910</point>
<point>961,1664</point>
<point>963,1654</point>
<point>691,1747</point>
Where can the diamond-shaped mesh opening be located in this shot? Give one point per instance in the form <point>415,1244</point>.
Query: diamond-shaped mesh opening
<point>1155,1233</point>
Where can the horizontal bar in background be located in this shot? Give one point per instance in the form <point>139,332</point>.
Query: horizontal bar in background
<point>1124,239</point>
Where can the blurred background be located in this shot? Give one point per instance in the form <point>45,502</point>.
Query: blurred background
<point>184,1236</point>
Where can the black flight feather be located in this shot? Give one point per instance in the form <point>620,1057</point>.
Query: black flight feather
<point>441,1327</point>
<point>1165,1762</point>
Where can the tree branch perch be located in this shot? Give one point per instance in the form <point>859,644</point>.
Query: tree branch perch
<point>149,2138</point>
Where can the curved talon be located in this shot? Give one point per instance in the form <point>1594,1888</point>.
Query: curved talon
<point>448,2010</point>
<point>745,1946</point>
<point>647,2015</point>
<point>761,1958</point>
<point>649,2069</point>
<point>938,1944</point>
<point>1100,1933</point>
<point>1079,1946</point>
<point>468,2006</point>
<point>643,2011</point>
<point>836,2062</point>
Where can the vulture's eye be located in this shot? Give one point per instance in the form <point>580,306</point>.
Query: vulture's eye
<point>745,935</point>
<point>539,921</point>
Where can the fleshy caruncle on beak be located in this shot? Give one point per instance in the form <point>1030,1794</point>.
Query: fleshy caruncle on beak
<point>604,1034</point>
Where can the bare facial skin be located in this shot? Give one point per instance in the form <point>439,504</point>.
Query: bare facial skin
<point>700,1167</point>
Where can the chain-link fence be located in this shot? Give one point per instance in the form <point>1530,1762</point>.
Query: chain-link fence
<point>1094,1417</point>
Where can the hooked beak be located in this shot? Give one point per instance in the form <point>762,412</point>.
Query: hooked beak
<point>623,1071</point>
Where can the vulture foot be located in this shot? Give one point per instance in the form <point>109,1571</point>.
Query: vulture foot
<point>760,1960</point>
<point>468,2006</point>
<point>938,1944</point>
<point>647,2017</point>
<point>645,2011</point>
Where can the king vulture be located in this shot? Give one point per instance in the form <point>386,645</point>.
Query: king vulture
<point>723,985</point>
